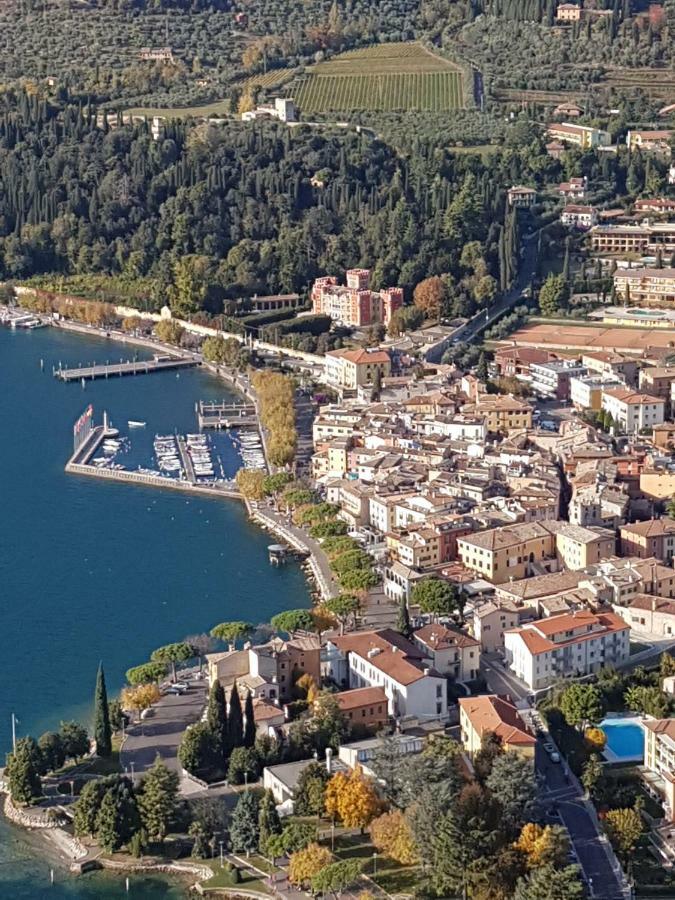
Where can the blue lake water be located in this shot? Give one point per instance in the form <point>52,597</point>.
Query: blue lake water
<point>625,738</point>
<point>91,570</point>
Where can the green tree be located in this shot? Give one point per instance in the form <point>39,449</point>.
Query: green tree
<point>107,831</point>
<point>358,579</point>
<point>547,883</point>
<point>343,607</point>
<point>116,715</point>
<point>403,625</point>
<point>171,654</point>
<point>311,789</point>
<point>337,877</point>
<point>249,721</point>
<point>102,729</point>
<point>490,749</point>
<point>75,740</point>
<point>293,620</point>
<point>269,823</point>
<point>244,829</point>
<point>482,367</point>
<point>235,720</point>
<point>435,597</point>
<point>147,673</point>
<point>200,846</point>
<point>22,771</point>
<point>512,784</point>
<point>243,765</point>
<point>230,632</point>
<point>666,665</point>
<point>87,806</point>
<point>650,701</point>
<point>158,800</point>
<point>592,774</point>
<point>553,295</point>
<point>581,705</point>
<point>216,720</point>
<point>51,751</point>
<point>196,752</point>
<point>624,829</point>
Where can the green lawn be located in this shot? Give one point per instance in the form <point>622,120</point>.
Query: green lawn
<point>248,881</point>
<point>390,875</point>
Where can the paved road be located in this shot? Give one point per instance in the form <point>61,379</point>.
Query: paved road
<point>501,681</point>
<point>161,733</point>
<point>592,849</point>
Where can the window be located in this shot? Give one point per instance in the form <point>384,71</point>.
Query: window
<point>439,690</point>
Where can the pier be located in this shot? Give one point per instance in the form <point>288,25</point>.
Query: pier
<point>131,367</point>
<point>226,415</point>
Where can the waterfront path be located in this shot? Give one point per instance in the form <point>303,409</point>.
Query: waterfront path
<point>161,733</point>
<point>281,525</point>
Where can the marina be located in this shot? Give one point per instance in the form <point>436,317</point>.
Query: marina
<point>159,363</point>
<point>226,415</point>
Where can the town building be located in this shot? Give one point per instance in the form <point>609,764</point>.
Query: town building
<point>647,614</point>
<point>568,12</point>
<point>659,759</point>
<point>633,411</point>
<point>658,381</point>
<point>567,111</point>
<point>453,652</point>
<point>355,303</point>
<point>386,659</point>
<point>609,363</point>
<point>501,554</point>
<point>582,136</point>
<point>351,369</point>
<point>552,379</point>
<point>627,239</point>
<point>574,189</point>
<point>566,646</point>
<point>659,205</point>
<point>491,713</point>
<point>658,483</point>
<point>586,390</point>
<point>650,141</point>
<point>654,538</point>
<point>578,547</point>
<point>268,670</point>
<point>364,707</point>
<point>645,286</point>
<point>521,196</point>
<point>491,620</point>
<point>283,109</point>
<point>512,362</point>
<point>581,217</point>
<point>503,413</point>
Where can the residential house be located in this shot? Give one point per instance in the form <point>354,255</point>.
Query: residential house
<point>633,411</point>
<point>351,369</point>
<point>364,707</point>
<point>503,554</point>
<point>663,205</point>
<point>578,216</point>
<point>604,362</point>
<point>552,379</point>
<point>574,189</point>
<point>490,713</point>
<point>453,652</point>
<point>491,620</point>
<point>386,659</point>
<point>511,362</point>
<point>570,645</point>
<point>522,196</point>
<point>586,390</point>
<point>647,614</point>
<point>645,286</point>
<point>650,141</point>
<point>659,758</point>
<point>658,381</point>
<point>503,413</point>
<point>568,12</point>
<point>578,547</point>
<point>641,239</point>
<point>653,538</point>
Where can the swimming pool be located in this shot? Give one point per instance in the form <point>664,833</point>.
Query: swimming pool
<point>625,740</point>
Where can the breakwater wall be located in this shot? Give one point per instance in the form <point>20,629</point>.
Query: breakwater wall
<point>174,484</point>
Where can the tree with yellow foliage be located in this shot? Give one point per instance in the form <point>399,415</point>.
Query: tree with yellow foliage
<point>139,697</point>
<point>391,834</point>
<point>251,483</point>
<point>304,864</point>
<point>352,799</point>
<point>246,102</point>
<point>542,845</point>
<point>307,687</point>
<point>596,739</point>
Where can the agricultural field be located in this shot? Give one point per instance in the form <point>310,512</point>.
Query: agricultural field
<point>382,78</point>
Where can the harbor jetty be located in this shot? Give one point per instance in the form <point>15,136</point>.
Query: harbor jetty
<point>226,415</point>
<point>159,363</point>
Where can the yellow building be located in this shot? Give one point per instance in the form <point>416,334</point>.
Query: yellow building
<point>578,135</point>
<point>578,547</point>
<point>659,757</point>
<point>504,554</point>
<point>645,286</point>
<point>491,713</point>
<point>502,413</point>
<point>351,369</point>
<point>658,483</point>
<point>417,549</point>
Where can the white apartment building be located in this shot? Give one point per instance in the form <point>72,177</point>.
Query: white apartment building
<point>586,390</point>
<point>576,216</point>
<point>659,757</point>
<point>386,659</point>
<point>453,653</point>
<point>566,646</point>
<point>631,410</point>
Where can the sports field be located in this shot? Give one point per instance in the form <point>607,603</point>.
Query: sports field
<point>384,77</point>
<point>592,337</point>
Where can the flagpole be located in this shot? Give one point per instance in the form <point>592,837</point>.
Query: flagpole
<point>13,733</point>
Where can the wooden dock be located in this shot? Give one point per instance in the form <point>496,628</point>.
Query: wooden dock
<point>131,367</point>
<point>226,415</point>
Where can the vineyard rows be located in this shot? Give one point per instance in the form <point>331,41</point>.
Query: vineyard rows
<point>431,91</point>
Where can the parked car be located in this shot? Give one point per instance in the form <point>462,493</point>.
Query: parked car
<point>555,757</point>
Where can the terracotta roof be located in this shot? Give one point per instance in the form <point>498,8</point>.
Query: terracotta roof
<point>440,637</point>
<point>662,605</point>
<point>493,713</point>
<point>262,711</point>
<point>661,726</point>
<point>361,356</point>
<point>650,528</point>
<point>389,652</point>
<point>361,697</point>
<point>508,536</point>
<point>625,395</point>
<point>541,585</point>
<point>537,635</point>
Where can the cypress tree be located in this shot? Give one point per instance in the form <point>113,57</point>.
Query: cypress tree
<point>235,720</point>
<point>403,625</point>
<point>216,719</point>
<point>268,820</point>
<point>249,721</point>
<point>102,730</point>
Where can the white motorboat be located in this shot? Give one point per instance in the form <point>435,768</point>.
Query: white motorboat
<point>133,424</point>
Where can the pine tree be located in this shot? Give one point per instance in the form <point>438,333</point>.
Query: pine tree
<point>158,800</point>
<point>403,625</point>
<point>268,820</point>
<point>244,833</point>
<point>249,723</point>
<point>482,368</point>
<point>102,730</point>
<point>107,834</point>
<point>235,720</point>
<point>216,720</point>
<point>22,771</point>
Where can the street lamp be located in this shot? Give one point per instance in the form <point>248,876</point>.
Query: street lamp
<point>332,836</point>
<point>132,769</point>
<point>374,864</point>
<point>221,854</point>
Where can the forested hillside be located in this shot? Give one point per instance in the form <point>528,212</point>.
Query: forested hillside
<point>233,210</point>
